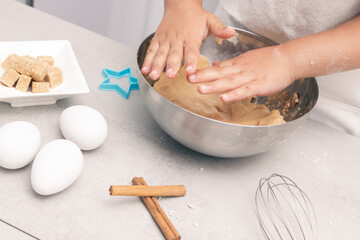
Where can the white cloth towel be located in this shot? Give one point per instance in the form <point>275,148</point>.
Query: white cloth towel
<point>338,115</point>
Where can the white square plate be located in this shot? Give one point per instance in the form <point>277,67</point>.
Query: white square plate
<point>74,82</point>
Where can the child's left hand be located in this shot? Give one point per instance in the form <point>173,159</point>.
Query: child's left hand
<point>258,72</point>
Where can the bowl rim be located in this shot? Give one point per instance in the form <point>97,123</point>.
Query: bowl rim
<point>248,33</point>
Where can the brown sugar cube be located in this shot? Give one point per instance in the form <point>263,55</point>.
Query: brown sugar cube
<point>39,70</point>
<point>23,83</point>
<point>40,87</point>
<point>9,77</point>
<point>10,62</point>
<point>24,65</point>
<point>54,76</point>
<point>48,59</point>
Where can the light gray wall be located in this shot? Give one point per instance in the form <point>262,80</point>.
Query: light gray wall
<point>126,21</point>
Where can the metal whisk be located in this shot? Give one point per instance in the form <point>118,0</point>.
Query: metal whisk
<point>284,211</point>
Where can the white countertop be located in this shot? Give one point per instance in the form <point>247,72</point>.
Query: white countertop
<point>325,163</point>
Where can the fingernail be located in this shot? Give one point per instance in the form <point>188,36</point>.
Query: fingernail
<point>143,69</point>
<point>192,77</point>
<point>189,68</point>
<point>204,88</point>
<point>225,97</point>
<point>169,72</point>
<point>230,30</point>
<point>153,74</point>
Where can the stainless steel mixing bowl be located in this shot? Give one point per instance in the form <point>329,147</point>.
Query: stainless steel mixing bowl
<point>223,139</point>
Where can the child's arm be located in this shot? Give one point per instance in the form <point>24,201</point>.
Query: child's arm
<point>184,25</point>
<point>268,70</point>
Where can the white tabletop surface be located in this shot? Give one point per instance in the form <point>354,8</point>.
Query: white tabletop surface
<point>325,163</point>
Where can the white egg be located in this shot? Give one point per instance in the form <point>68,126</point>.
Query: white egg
<point>84,126</point>
<point>19,143</point>
<point>57,165</point>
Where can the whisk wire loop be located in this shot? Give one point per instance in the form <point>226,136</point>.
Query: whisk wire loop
<point>284,211</point>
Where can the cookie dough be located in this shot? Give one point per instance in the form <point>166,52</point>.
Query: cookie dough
<point>186,95</point>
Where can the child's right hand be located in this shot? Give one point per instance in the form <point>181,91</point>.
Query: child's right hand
<point>183,27</point>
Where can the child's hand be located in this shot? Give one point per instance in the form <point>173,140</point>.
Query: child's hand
<point>184,25</point>
<point>258,72</point>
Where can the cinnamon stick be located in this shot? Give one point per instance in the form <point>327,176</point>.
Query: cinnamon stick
<point>144,190</point>
<point>155,210</point>
<point>163,214</point>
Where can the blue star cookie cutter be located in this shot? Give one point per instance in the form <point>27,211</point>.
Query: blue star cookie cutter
<point>107,85</point>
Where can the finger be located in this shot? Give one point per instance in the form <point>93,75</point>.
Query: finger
<point>218,28</point>
<point>191,56</point>
<point>213,73</point>
<point>174,59</point>
<point>150,55</point>
<point>225,63</point>
<point>246,90</point>
<point>224,84</point>
<point>159,62</point>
